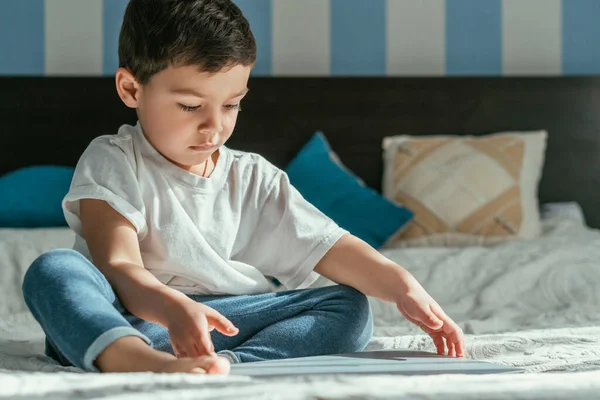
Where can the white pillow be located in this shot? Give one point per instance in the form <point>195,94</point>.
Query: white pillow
<point>18,249</point>
<point>567,210</point>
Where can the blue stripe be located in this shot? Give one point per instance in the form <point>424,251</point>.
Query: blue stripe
<point>113,11</point>
<point>22,37</point>
<point>581,31</point>
<point>259,15</point>
<point>474,37</point>
<point>358,37</point>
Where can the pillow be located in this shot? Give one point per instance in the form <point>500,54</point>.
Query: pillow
<point>324,181</point>
<point>567,210</point>
<point>31,197</point>
<point>18,249</point>
<point>465,190</point>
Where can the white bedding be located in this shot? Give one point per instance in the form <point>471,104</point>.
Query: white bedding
<point>532,304</point>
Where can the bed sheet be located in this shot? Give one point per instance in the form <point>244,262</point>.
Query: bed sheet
<point>531,304</point>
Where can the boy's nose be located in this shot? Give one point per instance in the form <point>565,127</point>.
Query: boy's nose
<point>211,137</point>
<point>211,125</point>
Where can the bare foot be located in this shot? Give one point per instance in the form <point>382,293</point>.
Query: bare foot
<point>132,354</point>
<point>200,365</point>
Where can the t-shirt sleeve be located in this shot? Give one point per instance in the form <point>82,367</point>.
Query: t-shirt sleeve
<point>106,171</point>
<point>291,236</point>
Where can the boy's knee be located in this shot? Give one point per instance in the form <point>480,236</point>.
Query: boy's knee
<point>358,328</point>
<point>48,267</point>
<point>356,300</point>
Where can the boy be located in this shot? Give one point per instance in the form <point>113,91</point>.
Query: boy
<point>183,231</point>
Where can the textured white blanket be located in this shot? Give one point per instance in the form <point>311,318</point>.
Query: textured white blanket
<point>532,304</point>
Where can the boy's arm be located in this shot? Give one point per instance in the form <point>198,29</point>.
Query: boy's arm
<point>354,263</point>
<point>113,245</point>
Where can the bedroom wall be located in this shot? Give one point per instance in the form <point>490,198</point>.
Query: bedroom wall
<point>332,37</point>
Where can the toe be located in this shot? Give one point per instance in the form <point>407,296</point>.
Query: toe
<point>219,365</point>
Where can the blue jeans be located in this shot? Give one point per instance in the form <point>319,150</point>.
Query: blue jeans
<point>81,316</point>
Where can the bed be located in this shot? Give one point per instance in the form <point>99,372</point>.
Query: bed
<point>529,303</point>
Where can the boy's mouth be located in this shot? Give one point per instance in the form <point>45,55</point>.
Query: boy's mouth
<point>204,147</point>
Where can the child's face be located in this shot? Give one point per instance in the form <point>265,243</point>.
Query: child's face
<point>187,115</point>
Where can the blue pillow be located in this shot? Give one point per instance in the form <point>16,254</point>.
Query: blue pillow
<point>31,197</point>
<point>325,182</point>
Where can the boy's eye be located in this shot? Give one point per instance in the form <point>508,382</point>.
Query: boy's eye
<point>188,108</point>
<point>196,108</point>
<point>233,107</point>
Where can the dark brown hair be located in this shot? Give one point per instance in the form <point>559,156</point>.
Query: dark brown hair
<point>210,34</point>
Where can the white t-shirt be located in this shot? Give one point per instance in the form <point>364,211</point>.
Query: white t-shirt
<point>224,234</point>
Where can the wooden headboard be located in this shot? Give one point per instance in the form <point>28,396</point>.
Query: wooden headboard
<point>51,120</point>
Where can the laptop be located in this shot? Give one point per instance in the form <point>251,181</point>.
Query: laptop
<point>396,362</point>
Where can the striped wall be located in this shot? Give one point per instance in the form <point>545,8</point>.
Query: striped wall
<point>332,37</point>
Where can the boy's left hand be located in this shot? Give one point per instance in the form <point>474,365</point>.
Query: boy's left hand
<point>418,307</point>
<point>353,262</point>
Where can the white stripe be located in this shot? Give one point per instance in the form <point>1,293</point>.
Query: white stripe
<point>73,37</point>
<point>301,37</point>
<point>416,37</point>
<point>531,37</point>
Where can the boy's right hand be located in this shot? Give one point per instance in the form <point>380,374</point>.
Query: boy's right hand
<point>190,323</point>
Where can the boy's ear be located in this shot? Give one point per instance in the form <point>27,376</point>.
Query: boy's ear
<point>128,87</point>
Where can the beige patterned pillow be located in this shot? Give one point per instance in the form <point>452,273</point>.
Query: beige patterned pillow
<point>465,190</point>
